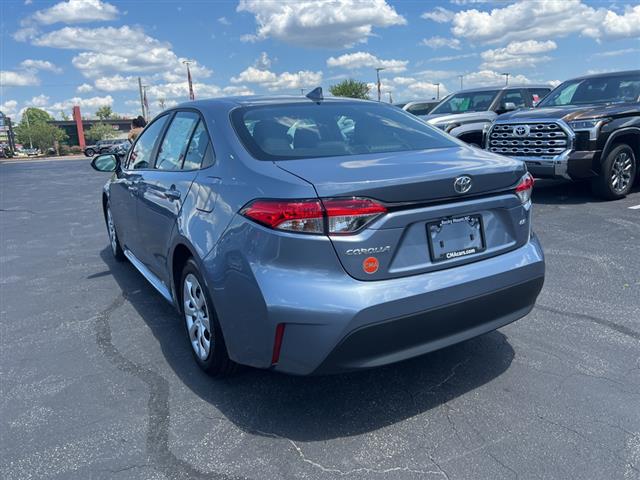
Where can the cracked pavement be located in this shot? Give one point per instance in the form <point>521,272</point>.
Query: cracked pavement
<point>97,379</point>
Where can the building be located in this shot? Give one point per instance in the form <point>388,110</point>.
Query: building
<point>121,128</point>
<point>7,137</point>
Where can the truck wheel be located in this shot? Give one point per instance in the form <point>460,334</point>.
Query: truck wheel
<point>618,173</point>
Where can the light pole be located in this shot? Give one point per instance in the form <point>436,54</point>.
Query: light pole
<point>390,97</point>
<point>191,94</point>
<point>437,85</point>
<point>460,77</point>
<point>506,77</point>
<point>378,69</point>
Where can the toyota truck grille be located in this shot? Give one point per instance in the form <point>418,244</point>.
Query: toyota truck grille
<point>528,139</point>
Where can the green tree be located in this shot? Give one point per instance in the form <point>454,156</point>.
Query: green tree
<point>30,132</point>
<point>99,131</point>
<point>42,135</point>
<point>350,88</point>
<point>105,113</point>
<point>63,115</point>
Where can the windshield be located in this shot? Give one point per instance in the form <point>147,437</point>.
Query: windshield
<point>467,102</point>
<point>294,131</point>
<point>614,89</point>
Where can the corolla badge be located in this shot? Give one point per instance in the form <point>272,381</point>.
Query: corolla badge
<point>462,184</point>
<point>521,130</point>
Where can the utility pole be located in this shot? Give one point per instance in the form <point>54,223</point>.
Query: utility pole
<point>506,77</point>
<point>144,114</point>
<point>378,78</point>
<point>146,102</point>
<point>437,85</point>
<point>390,97</point>
<point>460,77</point>
<point>302,92</point>
<point>191,94</point>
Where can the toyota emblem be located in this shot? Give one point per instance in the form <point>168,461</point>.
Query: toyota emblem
<point>462,184</point>
<point>521,130</point>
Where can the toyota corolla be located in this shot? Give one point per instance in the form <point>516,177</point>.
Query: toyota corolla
<point>318,235</point>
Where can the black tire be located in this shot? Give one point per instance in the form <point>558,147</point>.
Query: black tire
<point>114,242</point>
<point>89,152</point>
<point>217,363</point>
<point>605,185</point>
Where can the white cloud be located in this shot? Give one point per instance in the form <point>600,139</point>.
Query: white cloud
<point>319,23</point>
<point>30,64</point>
<point>25,78</point>
<point>237,90</point>
<point>517,55</point>
<point>263,62</point>
<point>620,26</point>
<point>617,53</point>
<point>84,88</point>
<point>440,42</point>
<point>439,14</point>
<point>489,78</point>
<point>90,104</point>
<point>453,57</point>
<point>357,60</point>
<point>76,11</point>
<point>9,108</point>
<point>116,83</point>
<point>281,81</point>
<point>224,21</point>
<point>40,101</point>
<point>544,19</point>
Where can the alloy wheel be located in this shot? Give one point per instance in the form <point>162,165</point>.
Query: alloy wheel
<point>113,239</point>
<point>197,317</point>
<point>621,171</point>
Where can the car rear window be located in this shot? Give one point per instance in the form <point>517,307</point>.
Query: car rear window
<point>294,131</point>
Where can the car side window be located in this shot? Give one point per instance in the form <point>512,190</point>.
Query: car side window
<point>538,94</point>
<point>514,96</point>
<point>174,144</point>
<point>419,109</point>
<point>198,149</point>
<point>140,157</point>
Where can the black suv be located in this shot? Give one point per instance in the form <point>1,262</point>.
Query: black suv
<point>586,128</point>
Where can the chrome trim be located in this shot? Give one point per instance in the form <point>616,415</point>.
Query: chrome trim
<point>151,277</point>
<point>560,161</point>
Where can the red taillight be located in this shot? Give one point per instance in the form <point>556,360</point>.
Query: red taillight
<point>296,216</point>
<point>277,343</point>
<point>348,215</point>
<point>344,215</point>
<point>525,187</point>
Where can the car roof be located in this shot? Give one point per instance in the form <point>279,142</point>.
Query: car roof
<point>505,87</point>
<point>607,74</point>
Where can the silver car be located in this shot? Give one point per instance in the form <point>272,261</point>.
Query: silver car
<point>311,235</point>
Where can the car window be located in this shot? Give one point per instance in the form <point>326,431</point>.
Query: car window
<point>514,96</point>
<point>333,129</point>
<point>174,145</point>
<point>420,108</point>
<point>538,94</point>
<point>140,157</point>
<point>197,149</point>
<point>593,90</point>
<point>467,102</point>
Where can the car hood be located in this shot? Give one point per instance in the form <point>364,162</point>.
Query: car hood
<point>571,113</point>
<point>441,119</point>
<point>412,176</point>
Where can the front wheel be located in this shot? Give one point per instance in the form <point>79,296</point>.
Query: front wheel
<point>89,152</point>
<point>618,173</point>
<point>201,324</point>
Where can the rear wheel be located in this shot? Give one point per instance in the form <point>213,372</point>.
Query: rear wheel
<point>116,249</point>
<point>201,324</point>
<point>618,173</point>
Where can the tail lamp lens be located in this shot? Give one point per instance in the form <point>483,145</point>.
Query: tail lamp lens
<point>525,187</point>
<point>343,215</point>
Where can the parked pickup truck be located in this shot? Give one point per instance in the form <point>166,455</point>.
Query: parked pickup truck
<point>466,114</point>
<point>586,128</point>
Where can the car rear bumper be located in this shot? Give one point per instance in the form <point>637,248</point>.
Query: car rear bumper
<point>334,322</point>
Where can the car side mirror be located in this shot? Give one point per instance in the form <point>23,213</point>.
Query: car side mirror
<point>509,106</point>
<point>105,163</point>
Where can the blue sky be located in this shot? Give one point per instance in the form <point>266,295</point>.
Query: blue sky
<point>90,52</point>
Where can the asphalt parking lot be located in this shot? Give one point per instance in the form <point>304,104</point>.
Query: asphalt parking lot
<point>97,379</point>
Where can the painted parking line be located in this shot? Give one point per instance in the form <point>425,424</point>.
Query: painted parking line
<point>635,207</point>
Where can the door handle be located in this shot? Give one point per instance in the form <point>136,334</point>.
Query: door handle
<point>172,194</point>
